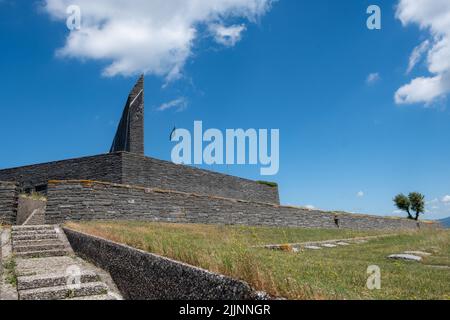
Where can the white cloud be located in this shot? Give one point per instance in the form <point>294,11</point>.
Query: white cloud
<point>360,194</point>
<point>153,37</point>
<point>179,104</point>
<point>432,16</point>
<point>421,90</point>
<point>310,207</point>
<point>227,36</point>
<point>373,78</point>
<point>446,199</point>
<point>417,54</point>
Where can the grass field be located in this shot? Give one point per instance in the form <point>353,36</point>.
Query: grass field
<point>335,273</point>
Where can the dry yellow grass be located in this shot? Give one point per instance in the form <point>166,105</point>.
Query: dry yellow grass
<point>338,273</point>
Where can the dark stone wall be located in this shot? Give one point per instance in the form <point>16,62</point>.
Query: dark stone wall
<point>149,172</point>
<point>8,202</point>
<point>130,131</point>
<point>144,276</point>
<point>75,200</point>
<point>106,167</point>
<point>135,169</point>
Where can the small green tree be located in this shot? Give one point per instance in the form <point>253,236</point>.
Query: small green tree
<point>402,202</point>
<point>415,201</point>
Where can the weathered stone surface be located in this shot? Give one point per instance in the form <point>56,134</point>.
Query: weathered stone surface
<point>104,201</point>
<point>56,274</point>
<point>144,276</point>
<point>408,257</point>
<point>136,169</point>
<point>8,202</point>
<point>418,253</point>
<point>144,171</point>
<point>106,167</point>
<point>313,247</point>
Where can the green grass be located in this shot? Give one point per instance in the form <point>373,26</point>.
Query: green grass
<point>337,273</point>
<point>268,183</point>
<point>34,196</point>
<point>9,267</point>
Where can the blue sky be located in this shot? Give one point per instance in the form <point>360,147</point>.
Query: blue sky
<point>298,66</point>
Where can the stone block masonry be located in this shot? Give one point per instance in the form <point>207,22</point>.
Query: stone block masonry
<point>8,202</point>
<point>135,169</point>
<point>107,167</point>
<point>144,171</point>
<point>89,200</point>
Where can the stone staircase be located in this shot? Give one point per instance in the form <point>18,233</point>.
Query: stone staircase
<point>47,269</point>
<point>38,242</point>
<point>37,217</point>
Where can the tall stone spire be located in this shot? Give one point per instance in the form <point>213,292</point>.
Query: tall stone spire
<point>130,132</point>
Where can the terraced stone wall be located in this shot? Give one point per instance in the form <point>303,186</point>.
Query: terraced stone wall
<point>89,200</point>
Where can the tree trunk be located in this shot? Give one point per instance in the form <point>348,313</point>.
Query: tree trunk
<point>410,215</point>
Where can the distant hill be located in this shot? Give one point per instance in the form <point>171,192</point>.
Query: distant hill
<point>445,222</point>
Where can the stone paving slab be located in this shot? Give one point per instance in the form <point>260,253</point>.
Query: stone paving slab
<point>408,257</point>
<point>317,245</point>
<point>419,253</point>
<point>313,247</point>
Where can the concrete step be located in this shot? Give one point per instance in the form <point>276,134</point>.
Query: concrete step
<point>19,243</point>
<point>41,254</point>
<point>52,280</point>
<point>39,247</point>
<point>99,297</point>
<point>35,236</point>
<point>33,227</point>
<point>37,231</point>
<point>64,292</point>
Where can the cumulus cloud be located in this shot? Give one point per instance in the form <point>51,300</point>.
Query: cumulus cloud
<point>373,78</point>
<point>310,207</point>
<point>179,104</point>
<point>433,17</point>
<point>151,36</point>
<point>360,194</point>
<point>446,199</point>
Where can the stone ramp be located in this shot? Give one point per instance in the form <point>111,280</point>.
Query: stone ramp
<point>47,269</point>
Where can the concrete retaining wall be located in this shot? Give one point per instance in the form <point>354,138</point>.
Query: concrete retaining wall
<point>8,202</point>
<point>88,200</point>
<point>143,276</point>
